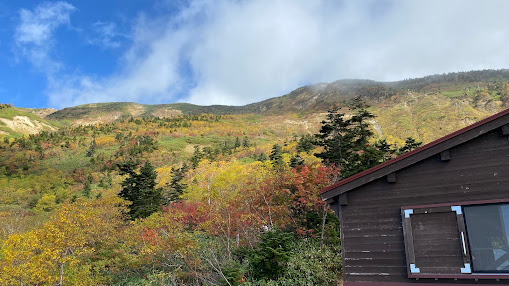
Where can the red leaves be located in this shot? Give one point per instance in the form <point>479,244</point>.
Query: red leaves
<point>149,235</point>
<point>306,185</point>
<point>190,214</point>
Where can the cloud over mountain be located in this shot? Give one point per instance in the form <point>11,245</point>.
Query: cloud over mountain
<point>237,52</point>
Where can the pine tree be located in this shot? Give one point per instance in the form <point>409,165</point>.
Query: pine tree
<point>276,155</point>
<point>346,141</point>
<point>262,157</point>
<point>296,161</point>
<point>237,143</point>
<point>410,144</point>
<point>86,189</point>
<point>197,156</point>
<point>305,144</point>
<point>268,260</point>
<point>139,188</point>
<point>387,149</point>
<point>91,149</point>
<point>176,186</point>
<point>245,142</point>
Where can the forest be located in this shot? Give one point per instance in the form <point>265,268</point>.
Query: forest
<point>192,198</point>
<point>187,200</point>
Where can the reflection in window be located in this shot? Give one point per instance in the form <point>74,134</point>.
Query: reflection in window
<point>488,235</point>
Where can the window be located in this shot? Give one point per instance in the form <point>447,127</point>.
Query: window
<point>468,239</point>
<point>488,234</point>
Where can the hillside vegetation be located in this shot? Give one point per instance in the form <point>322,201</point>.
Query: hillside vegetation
<point>17,122</point>
<point>178,194</point>
<point>424,108</point>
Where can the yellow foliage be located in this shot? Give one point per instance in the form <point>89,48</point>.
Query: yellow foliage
<point>290,148</point>
<point>310,159</point>
<point>60,246</point>
<point>164,175</point>
<point>46,204</point>
<point>105,141</point>
<point>221,180</point>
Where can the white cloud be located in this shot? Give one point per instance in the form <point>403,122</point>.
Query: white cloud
<point>36,27</point>
<point>34,34</point>
<point>237,52</point>
<point>259,49</point>
<point>106,35</point>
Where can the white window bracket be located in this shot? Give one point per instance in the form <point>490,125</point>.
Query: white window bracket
<point>466,269</point>
<point>414,269</point>
<point>456,209</point>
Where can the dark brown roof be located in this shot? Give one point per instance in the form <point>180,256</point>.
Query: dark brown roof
<point>412,157</point>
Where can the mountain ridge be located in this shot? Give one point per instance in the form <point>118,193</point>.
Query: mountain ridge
<point>413,107</point>
<point>321,96</point>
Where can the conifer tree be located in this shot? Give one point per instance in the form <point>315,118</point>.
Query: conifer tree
<point>139,188</point>
<point>305,144</point>
<point>276,155</point>
<point>346,141</point>
<point>91,149</point>
<point>237,143</point>
<point>262,157</point>
<point>197,156</point>
<point>245,142</point>
<point>86,189</point>
<point>296,161</point>
<point>410,144</point>
<point>176,186</point>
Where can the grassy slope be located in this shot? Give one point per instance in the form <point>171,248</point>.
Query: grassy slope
<point>10,113</point>
<point>425,108</point>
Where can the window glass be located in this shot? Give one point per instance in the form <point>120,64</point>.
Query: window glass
<point>488,236</point>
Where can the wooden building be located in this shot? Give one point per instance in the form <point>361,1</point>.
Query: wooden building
<point>436,215</point>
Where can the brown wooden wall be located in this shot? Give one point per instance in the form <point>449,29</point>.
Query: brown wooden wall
<point>372,236</point>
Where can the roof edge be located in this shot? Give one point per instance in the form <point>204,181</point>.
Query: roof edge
<point>415,151</point>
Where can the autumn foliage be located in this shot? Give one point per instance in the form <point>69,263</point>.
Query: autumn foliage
<point>189,200</point>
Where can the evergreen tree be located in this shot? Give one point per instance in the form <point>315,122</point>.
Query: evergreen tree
<point>197,156</point>
<point>296,161</point>
<point>410,144</point>
<point>176,186</point>
<point>305,144</point>
<point>276,155</point>
<point>91,149</point>
<point>386,148</point>
<point>262,157</point>
<point>237,143</point>
<point>139,188</point>
<point>245,142</point>
<point>346,141</point>
<point>86,189</point>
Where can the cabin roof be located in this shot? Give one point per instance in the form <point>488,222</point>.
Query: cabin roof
<point>458,137</point>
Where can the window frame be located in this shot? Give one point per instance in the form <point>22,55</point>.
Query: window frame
<point>465,273</point>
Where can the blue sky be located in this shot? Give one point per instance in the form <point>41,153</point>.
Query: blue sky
<point>64,53</point>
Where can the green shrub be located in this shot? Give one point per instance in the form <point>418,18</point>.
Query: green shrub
<point>308,264</point>
<point>269,259</point>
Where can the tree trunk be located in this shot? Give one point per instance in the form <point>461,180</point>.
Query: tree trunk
<point>61,274</point>
<point>325,207</point>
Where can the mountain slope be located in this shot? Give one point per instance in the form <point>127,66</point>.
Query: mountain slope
<point>487,85</point>
<point>109,112</point>
<point>16,122</point>
<point>424,108</point>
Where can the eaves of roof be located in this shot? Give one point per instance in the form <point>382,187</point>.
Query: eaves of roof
<point>418,154</point>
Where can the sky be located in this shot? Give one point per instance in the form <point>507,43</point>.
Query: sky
<point>234,52</point>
